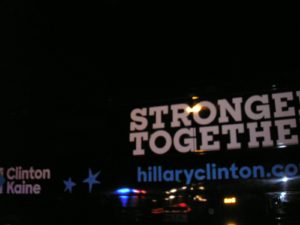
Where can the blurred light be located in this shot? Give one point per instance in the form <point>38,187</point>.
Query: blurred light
<point>284,179</point>
<point>281,146</point>
<point>184,188</point>
<point>136,191</point>
<point>123,191</point>
<point>195,97</point>
<point>171,196</point>
<point>157,211</point>
<point>282,196</point>
<point>231,223</point>
<point>182,205</point>
<point>196,108</point>
<point>199,198</point>
<point>199,150</point>
<point>230,200</point>
<point>124,200</point>
<point>201,188</point>
<point>173,190</point>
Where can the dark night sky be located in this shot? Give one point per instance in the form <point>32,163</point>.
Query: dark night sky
<point>62,64</point>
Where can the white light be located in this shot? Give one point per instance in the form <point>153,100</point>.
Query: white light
<point>196,108</point>
<point>171,196</point>
<point>173,190</point>
<point>282,196</point>
<point>285,179</point>
<point>281,146</point>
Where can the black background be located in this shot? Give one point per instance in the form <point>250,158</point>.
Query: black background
<point>64,65</point>
<point>67,67</point>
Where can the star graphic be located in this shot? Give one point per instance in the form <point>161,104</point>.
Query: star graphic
<point>69,184</point>
<point>2,180</point>
<point>91,179</point>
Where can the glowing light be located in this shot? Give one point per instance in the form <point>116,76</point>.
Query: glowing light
<point>184,188</point>
<point>196,108</point>
<point>201,188</point>
<point>195,97</point>
<point>284,179</point>
<point>282,196</point>
<point>157,211</point>
<point>199,150</point>
<point>199,198</point>
<point>230,200</point>
<point>182,205</point>
<point>171,196</point>
<point>231,223</point>
<point>124,200</point>
<point>281,146</point>
<point>123,191</point>
<point>173,190</point>
<point>136,191</point>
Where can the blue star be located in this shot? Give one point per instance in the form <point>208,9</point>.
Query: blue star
<point>2,180</point>
<point>91,179</point>
<point>69,184</point>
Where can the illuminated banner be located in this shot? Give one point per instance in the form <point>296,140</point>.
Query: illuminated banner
<point>246,122</point>
<point>22,181</point>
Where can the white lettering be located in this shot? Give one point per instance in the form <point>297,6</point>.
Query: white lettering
<point>189,143</point>
<point>235,112</point>
<point>166,139</point>
<point>138,138</point>
<point>284,132</point>
<point>139,122</point>
<point>264,134</point>
<point>157,112</point>
<point>180,113</point>
<point>262,111</point>
<point>208,142</point>
<point>210,108</point>
<point>281,104</point>
<point>232,130</point>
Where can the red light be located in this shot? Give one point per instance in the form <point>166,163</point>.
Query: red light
<point>182,205</point>
<point>157,211</point>
<point>136,191</point>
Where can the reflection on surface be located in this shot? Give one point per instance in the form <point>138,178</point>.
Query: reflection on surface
<point>239,203</point>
